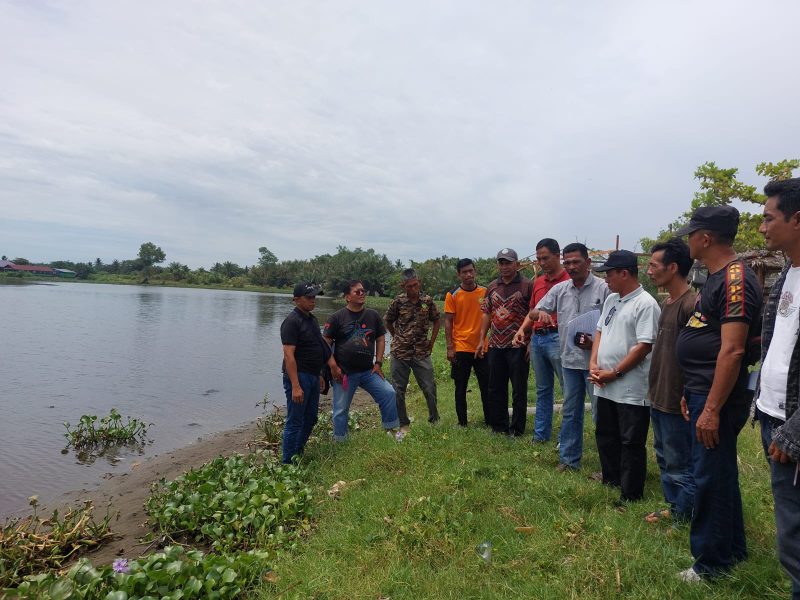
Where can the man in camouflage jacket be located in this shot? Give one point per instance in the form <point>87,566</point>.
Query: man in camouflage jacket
<point>408,319</point>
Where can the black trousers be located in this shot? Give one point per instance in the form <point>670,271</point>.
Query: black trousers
<point>508,364</point>
<point>463,364</point>
<point>621,434</point>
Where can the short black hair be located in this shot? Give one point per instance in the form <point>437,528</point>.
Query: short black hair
<point>348,287</point>
<point>550,244</point>
<point>408,275</point>
<point>576,247</point>
<point>464,262</point>
<point>788,193</point>
<point>675,251</point>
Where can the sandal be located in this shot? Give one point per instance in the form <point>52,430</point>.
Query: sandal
<point>658,515</point>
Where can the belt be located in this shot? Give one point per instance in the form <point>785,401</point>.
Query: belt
<point>545,330</point>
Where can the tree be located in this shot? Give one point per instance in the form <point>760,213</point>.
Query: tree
<point>438,275</point>
<point>266,262</point>
<point>21,261</point>
<point>150,254</point>
<point>720,187</point>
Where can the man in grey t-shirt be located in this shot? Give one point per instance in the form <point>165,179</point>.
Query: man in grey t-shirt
<point>583,293</point>
<point>619,368</point>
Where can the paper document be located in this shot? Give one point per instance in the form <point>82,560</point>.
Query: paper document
<point>585,323</point>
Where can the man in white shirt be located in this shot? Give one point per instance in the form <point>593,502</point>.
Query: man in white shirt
<point>619,367</point>
<point>777,402</point>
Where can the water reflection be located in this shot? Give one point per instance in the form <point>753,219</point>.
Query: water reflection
<point>111,454</point>
<point>191,361</point>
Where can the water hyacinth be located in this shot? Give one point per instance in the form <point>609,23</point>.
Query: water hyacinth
<point>120,565</point>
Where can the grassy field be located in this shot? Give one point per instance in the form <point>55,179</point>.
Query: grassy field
<point>411,528</point>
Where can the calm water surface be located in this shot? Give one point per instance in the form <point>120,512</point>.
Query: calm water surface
<point>191,361</point>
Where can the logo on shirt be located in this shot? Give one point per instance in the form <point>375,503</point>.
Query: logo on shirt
<point>785,308</point>
<point>697,321</point>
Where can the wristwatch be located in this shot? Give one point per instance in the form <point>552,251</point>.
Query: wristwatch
<point>618,374</point>
<point>379,363</point>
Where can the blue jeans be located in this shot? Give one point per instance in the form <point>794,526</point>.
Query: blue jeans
<point>576,387</point>
<point>377,387</point>
<point>546,363</point>
<point>300,418</point>
<point>786,494</point>
<point>717,532</point>
<point>672,440</point>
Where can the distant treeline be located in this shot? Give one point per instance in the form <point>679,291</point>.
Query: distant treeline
<point>380,275</point>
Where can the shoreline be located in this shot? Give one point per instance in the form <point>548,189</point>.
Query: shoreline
<point>124,494</point>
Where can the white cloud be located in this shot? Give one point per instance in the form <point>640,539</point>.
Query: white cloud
<point>416,129</point>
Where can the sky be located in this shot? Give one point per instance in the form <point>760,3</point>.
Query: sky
<point>419,129</point>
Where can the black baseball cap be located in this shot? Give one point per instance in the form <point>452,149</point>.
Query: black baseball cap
<point>305,288</point>
<point>721,219</point>
<point>619,259</point>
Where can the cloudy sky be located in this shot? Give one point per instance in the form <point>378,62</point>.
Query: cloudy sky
<point>415,128</point>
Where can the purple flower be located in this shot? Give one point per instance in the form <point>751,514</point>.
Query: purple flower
<point>120,565</point>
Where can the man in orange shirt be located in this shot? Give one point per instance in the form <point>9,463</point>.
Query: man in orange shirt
<point>462,327</point>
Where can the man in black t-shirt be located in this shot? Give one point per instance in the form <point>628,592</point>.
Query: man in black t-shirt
<point>710,349</point>
<point>358,334</point>
<point>304,354</point>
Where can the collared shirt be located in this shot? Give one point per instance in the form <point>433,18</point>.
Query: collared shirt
<point>568,302</point>
<point>508,305</point>
<point>541,285</point>
<point>301,330</point>
<point>625,322</point>
<point>411,322</point>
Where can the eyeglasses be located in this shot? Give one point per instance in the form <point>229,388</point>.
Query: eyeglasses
<point>360,292</point>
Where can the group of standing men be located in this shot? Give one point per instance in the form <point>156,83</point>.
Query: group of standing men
<point>681,366</point>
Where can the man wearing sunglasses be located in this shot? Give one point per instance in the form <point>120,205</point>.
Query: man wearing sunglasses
<point>359,340</point>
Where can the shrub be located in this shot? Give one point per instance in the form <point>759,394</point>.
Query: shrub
<point>173,573</point>
<point>239,502</point>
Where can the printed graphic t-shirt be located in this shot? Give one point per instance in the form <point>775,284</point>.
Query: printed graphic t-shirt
<point>775,370</point>
<point>354,335</point>
<point>732,294</point>
<point>508,305</point>
<point>466,310</point>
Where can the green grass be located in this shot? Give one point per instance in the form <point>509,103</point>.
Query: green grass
<point>411,529</point>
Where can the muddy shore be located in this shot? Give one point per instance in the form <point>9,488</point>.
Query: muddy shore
<point>124,493</point>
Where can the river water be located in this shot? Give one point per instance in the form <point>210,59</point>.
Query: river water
<point>190,361</point>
